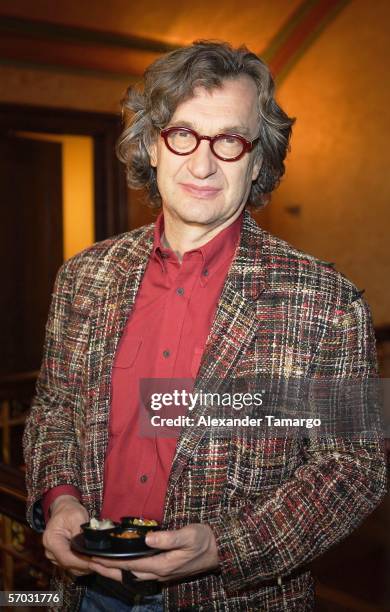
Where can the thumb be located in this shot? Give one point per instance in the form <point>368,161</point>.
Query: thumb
<point>164,540</point>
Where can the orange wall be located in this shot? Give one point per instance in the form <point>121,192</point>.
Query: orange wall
<point>337,171</point>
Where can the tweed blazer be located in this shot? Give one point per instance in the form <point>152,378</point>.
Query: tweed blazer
<point>273,504</point>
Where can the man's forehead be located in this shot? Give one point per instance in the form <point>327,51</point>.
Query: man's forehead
<point>233,106</point>
<point>228,83</point>
<point>242,88</point>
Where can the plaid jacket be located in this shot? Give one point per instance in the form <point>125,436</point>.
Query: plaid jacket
<point>273,504</point>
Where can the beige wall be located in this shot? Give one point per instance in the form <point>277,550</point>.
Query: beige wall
<point>58,88</point>
<point>338,167</point>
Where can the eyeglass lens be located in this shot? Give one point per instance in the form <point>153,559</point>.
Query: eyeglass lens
<point>186,142</point>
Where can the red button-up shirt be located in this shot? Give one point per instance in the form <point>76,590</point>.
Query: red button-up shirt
<point>164,338</point>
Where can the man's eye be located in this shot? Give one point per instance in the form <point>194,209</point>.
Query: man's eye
<point>182,134</point>
<point>230,140</point>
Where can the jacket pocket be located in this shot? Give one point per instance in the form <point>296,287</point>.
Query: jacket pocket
<point>260,464</point>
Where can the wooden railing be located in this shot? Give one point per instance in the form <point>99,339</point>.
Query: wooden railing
<point>23,564</point>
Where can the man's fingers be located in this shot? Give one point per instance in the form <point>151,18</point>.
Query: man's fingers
<point>116,574</point>
<point>154,567</point>
<point>68,559</point>
<point>77,572</point>
<point>107,562</point>
<point>145,576</point>
<point>107,572</point>
<point>165,540</point>
<point>75,565</point>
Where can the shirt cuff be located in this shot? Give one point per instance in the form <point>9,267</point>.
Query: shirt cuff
<point>49,497</point>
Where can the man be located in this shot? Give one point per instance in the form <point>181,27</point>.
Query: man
<point>205,293</point>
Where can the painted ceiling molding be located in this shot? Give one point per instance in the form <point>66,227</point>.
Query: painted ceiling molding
<point>40,43</point>
<point>76,49</point>
<point>298,33</point>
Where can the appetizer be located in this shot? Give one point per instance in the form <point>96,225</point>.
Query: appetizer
<point>94,523</point>
<point>127,535</point>
<point>144,522</point>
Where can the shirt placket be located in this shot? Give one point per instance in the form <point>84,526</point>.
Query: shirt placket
<point>181,280</point>
<point>182,284</point>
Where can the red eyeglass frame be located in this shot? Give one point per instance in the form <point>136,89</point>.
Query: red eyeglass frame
<point>248,144</point>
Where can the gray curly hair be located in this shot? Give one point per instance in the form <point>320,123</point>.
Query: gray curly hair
<point>171,80</point>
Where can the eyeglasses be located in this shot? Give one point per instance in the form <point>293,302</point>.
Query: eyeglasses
<point>227,147</point>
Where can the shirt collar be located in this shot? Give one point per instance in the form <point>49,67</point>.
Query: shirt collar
<point>214,252</point>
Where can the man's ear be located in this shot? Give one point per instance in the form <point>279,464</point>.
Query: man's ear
<point>257,167</point>
<point>153,154</point>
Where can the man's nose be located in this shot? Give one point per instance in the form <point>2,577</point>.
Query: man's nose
<point>202,162</point>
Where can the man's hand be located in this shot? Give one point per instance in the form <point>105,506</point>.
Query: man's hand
<point>190,550</point>
<point>67,514</point>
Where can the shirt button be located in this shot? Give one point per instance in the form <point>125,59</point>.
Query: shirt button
<point>180,291</point>
<point>143,478</point>
<point>166,354</point>
<point>205,272</point>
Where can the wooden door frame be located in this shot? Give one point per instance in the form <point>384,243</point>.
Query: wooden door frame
<point>110,200</point>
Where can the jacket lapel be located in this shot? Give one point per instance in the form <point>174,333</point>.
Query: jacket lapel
<point>108,314</point>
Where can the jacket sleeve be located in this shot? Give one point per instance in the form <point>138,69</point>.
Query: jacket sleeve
<point>50,445</point>
<point>341,481</point>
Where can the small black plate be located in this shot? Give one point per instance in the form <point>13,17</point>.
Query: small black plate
<point>77,544</point>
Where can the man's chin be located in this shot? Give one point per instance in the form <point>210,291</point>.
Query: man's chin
<point>198,212</point>
<point>198,217</point>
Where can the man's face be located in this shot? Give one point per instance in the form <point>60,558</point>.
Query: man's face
<point>199,188</point>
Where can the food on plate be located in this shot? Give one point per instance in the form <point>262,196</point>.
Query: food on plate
<point>94,523</point>
<point>128,535</point>
<point>145,522</point>
<point>141,522</point>
<point>97,533</point>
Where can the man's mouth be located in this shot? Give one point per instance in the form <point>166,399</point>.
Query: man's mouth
<point>200,192</point>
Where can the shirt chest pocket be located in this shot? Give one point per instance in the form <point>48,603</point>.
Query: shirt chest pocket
<point>125,386</point>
